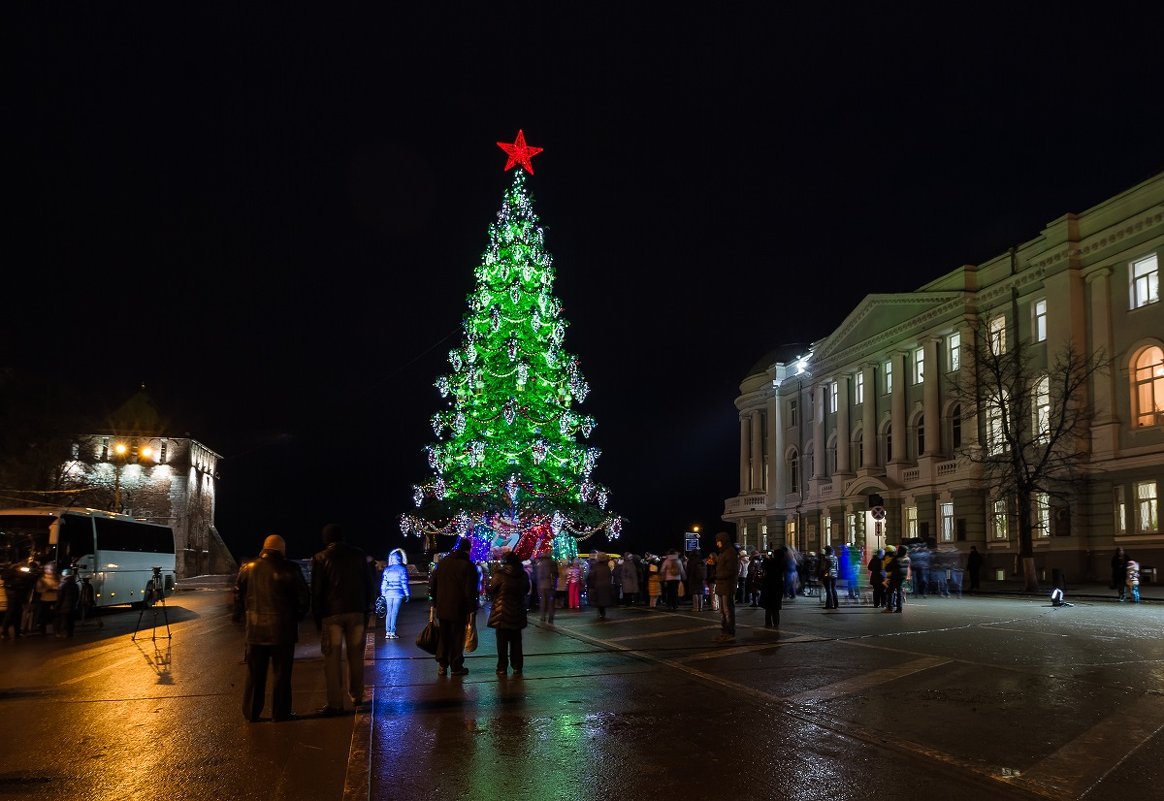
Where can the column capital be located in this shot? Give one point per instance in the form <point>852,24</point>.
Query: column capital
<point>1097,273</point>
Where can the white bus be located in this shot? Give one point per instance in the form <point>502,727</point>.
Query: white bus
<point>118,555</point>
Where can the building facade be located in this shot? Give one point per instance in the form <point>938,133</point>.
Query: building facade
<point>136,469</point>
<point>862,436</point>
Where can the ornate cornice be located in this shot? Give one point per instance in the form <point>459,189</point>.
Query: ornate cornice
<point>1109,237</point>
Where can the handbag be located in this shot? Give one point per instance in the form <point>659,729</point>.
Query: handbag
<point>471,634</point>
<point>430,635</point>
<point>381,606</point>
<point>682,588</point>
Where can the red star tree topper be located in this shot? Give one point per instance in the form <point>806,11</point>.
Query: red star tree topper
<point>519,153</point>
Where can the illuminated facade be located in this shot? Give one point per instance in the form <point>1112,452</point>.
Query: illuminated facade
<point>865,423</point>
<point>135,469</point>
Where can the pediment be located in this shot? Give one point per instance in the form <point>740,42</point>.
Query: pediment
<point>880,315</point>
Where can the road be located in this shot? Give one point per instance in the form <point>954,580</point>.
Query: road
<point>954,698</point>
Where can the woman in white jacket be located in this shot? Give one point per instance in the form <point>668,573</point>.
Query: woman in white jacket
<point>394,588</point>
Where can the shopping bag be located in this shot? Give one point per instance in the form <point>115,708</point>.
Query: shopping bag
<point>429,635</point>
<point>682,588</point>
<point>471,634</point>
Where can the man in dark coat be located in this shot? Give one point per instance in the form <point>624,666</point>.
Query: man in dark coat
<point>727,572</point>
<point>600,584</point>
<point>273,596</point>
<point>507,590</point>
<point>546,579</point>
<point>342,595</point>
<point>974,567</point>
<point>898,573</point>
<point>772,589</point>
<point>454,589</point>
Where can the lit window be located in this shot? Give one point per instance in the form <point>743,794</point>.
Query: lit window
<point>911,522</point>
<point>826,524</point>
<point>790,533</point>
<point>947,522</point>
<point>1042,514</point>
<point>954,351</point>
<point>834,392</point>
<point>996,424</point>
<point>997,330</point>
<point>1039,321</point>
<point>919,365</point>
<point>1042,408</point>
<point>888,377</point>
<point>1000,520</point>
<point>1149,389</point>
<point>1121,511</point>
<point>1146,518</point>
<point>1145,284</point>
<point>859,388</point>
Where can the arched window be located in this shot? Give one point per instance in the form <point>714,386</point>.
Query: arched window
<point>831,447</point>
<point>956,425</point>
<point>921,435</point>
<point>793,471</point>
<point>1148,395</point>
<point>858,448</point>
<point>888,443</point>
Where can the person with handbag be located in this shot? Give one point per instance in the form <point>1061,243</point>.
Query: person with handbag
<point>394,590</point>
<point>507,591</point>
<point>454,588</point>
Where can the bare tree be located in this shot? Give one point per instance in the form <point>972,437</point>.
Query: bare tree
<point>1036,421</point>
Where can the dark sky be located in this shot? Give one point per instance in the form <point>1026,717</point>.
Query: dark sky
<point>271,216</point>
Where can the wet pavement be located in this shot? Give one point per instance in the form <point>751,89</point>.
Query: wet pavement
<point>1000,693</point>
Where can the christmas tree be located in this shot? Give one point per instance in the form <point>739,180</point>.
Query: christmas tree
<point>508,467</point>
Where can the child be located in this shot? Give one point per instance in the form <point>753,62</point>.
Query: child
<point>1133,580</point>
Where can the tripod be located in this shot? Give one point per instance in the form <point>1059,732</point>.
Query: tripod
<point>155,599</point>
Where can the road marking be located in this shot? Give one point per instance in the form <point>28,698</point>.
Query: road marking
<point>1077,767</point>
<point>867,680</point>
<point>667,633</point>
<point>1024,631</point>
<point>358,778</point>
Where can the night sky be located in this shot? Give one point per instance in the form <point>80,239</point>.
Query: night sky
<point>271,217</point>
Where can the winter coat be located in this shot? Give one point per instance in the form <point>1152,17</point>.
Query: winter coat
<point>599,588</point>
<point>772,583</point>
<point>629,576</point>
<point>727,569</point>
<point>545,573</point>
<point>696,575</point>
<point>394,583</point>
<point>341,581</point>
<point>672,569</point>
<point>453,586</point>
<point>1133,573</point>
<point>654,579</point>
<point>273,596</point>
<point>829,566</point>
<point>507,590</point>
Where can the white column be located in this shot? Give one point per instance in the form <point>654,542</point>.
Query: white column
<point>775,488</point>
<point>757,451</point>
<point>1105,429</point>
<point>820,401</point>
<point>745,474</point>
<point>869,417</point>
<point>931,402</point>
<point>843,425</point>
<point>900,441</point>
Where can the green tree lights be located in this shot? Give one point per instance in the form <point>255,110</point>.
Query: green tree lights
<point>511,467</point>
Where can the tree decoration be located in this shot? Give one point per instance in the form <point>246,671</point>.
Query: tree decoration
<point>508,469</point>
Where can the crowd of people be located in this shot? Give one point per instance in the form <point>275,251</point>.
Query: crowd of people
<point>41,597</point>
